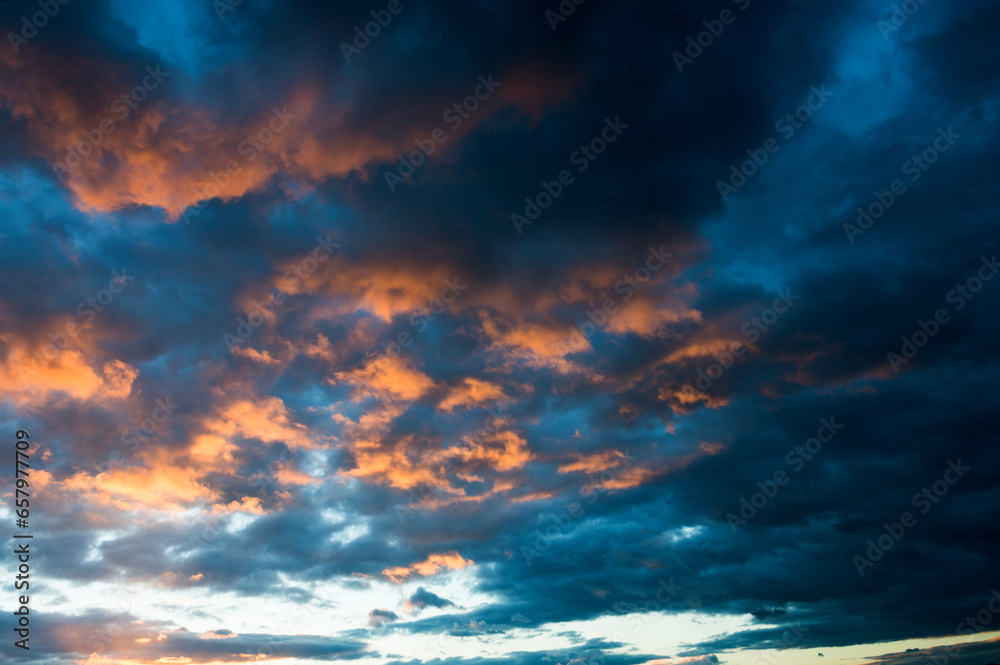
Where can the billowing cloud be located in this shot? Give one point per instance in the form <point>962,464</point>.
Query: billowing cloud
<point>280,334</point>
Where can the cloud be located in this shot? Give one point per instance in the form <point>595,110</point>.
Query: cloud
<point>424,598</point>
<point>429,566</point>
<point>378,618</point>
<point>471,392</point>
<point>589,480</point>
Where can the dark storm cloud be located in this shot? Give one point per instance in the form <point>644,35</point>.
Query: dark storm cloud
<point>623,551</point>
<point>380,617</point>
<point>960,654</point>
<point>424,598</point>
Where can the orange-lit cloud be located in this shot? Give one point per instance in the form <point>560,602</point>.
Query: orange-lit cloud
<point>387,376</point>
<point>593,463</point>
<point>161,487</point>
<point>166,149</point>
<point>503,451</point>
<point>162,479</point>
<point>535,344</point>
<point>432,564</point>
<point>632,474</point>
<point>266,418</point>
<point>471,392</point>
<point>29,375</point>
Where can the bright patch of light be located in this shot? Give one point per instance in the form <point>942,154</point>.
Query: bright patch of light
<point>684,533</point>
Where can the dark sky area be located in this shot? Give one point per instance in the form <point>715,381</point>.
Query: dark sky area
<point>639,333</point>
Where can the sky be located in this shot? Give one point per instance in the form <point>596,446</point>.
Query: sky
<point>570,332</point>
